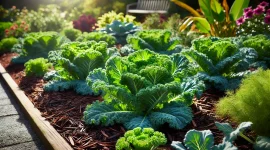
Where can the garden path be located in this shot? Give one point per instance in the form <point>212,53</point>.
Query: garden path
<point>15,130</point>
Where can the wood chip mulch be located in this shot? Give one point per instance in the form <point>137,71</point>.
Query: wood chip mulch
<point>64,110</point>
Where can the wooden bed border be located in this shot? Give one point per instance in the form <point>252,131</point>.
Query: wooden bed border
<point>46,132</point>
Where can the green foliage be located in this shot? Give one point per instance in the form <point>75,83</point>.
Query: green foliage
<point>141,139</point>
<point>3,27</point>
<point>153,21</point>
<point>145,89</point>
<point>249,102</point>
<point>7,44</point>
<point>261,44</point>
<point>204,140</point>
<point>111,16</point>
<point>72,34</point>
<point>46,18</point>
<point>262,143</point>
<point>97,36</point>
<point>155,40</point>
<point>72,64</point>
<point>222,64</point>
<point>120,30</point>
<point>37,44</point>
<point>37,67</point>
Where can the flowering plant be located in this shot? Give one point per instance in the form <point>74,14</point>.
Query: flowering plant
<point>255,21</point>
<point>17,29</point>
<point>85,23</point>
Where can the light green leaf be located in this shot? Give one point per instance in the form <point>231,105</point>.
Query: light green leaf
<point>202,24</point>
<point>205,6</point>
<point>199,140</point>
<point>237,8</point>
<point>218,11</point>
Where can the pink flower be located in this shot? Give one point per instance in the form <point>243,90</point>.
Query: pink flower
<point>267,19</point>
<point>259,10</point>
<point>248,14</point>
<point>268,12</point>
<point>247,9</point>
<point>264,4</point>
<point>240,21</point>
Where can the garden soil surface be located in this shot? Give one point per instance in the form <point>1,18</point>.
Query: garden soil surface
<point>64,110</point>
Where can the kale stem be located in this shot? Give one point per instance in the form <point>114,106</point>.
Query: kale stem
<point>246,138</point>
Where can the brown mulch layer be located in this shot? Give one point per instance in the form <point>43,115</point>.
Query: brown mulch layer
<point>64,110</point>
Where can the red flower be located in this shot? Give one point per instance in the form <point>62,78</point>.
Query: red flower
<point>240,21</point>
<point>6,30</point>
<point>267,19</point>
<point>264,4</point>
<point>259,10</point>
<point>248,14</point>
<point>247,9</point>
<point>268,12</point>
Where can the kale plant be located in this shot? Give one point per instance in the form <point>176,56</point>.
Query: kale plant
<point>73,63</point>
<point>204,140</point>
<point>141,139</point>
<point>37,67</point>
<point>36,45</point>
<point>144,89</point>
<point>221,63</point>
<point>97,36</point>
<point>120,30</point>
<point>159,41</point>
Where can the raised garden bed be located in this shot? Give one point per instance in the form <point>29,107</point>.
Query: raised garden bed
<point>64,111</point>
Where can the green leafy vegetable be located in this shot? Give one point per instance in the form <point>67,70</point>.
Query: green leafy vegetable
<point>74,62</point>
<point>37,67</point>
<point>141,139</point>
<point>120,30</point>
<point>155,40</point>
<point>6,44</point>
<point>97,36</point>
<point>262,143</point>
<point>146,89</point>
<point>37,44</point>
<point>204,140</point>
<point>221,62</point>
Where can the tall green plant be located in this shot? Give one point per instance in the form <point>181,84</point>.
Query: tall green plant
<point>249,102</point>
<point>217,19</point>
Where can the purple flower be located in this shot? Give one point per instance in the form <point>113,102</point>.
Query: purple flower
<point>248,14</point>
<point>240,21</point>
<point>268,12</point>
<point>247,9</point>
<point>267,19</point>
<point>259,10</point>
<point>264,4</point>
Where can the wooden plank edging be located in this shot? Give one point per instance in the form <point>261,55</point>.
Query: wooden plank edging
<point>46,132</point>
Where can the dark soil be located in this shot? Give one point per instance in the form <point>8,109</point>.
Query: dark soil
<point>64,110</point>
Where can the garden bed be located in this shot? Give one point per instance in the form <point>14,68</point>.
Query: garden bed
<point>64,111</point>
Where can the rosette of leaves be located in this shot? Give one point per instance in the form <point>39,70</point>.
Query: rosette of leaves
<point>72,34</point>
<point>144,89</point>
<point>204,140</point>
<point>72,64</point>
<point>261,43</point>
<point>36,45</point>
<point>111,16</point>
<point>85,23</point>
<point>97,36</point>
<point>141,139</point>
<point>120,30</point>
<point>221,63</point>
<point>159,41</point>
<point>6,44</point>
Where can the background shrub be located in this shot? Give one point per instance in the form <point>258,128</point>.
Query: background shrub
<point>3,27</point>
<point>72,34</point>
<point>250,103</point>
<point>37,67</point>
<point>6,44</point>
